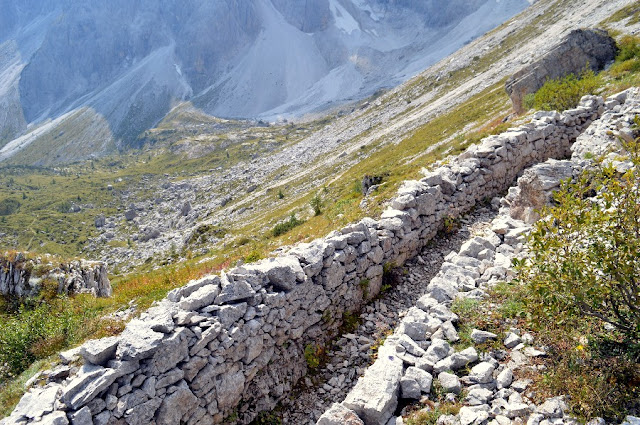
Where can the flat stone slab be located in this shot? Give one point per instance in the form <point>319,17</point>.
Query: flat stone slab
<point>375,396</point>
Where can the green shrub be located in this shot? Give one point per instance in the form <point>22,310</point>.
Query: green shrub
<point>8,206</point>
<point>585,254</point>
<point>629,48</point>
<point>284,227</point>
<point>565,93</point>
<point>317,204</point>
<point>312,354</point>
<point>34,333</point>
<point>628,58</point>
<point>529,101</point>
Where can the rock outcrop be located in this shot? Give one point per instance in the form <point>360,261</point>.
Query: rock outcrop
<point>24,277</point>
<point>234,345</point>
<point>579,49</point>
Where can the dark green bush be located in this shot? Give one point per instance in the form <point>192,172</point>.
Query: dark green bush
<point>565,93</point>
<point>284,227</point>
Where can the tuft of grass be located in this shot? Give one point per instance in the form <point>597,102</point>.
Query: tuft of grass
<point>430,414</point>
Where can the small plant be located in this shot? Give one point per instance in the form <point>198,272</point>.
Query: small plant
<point>350,322</point>
<point>364,287</point>
<point>313,354</point>
<point>267,418</point>
<point>529,101</point>
<point>585,256</point>
<point>280,194</point>
<point>252,257</point>
<point>317,203</point>
<point>450,224</point>
<point>284,227</point>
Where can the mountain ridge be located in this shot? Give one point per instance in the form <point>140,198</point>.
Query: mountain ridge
<point>138,60</point>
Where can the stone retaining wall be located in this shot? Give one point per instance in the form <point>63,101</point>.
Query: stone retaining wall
<point>23,277</point>
<point>227,347</point>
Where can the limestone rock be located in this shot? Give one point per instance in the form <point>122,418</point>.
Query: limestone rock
<point>450,382</point>
<point>99,351</point>
<point>578,49</point>
<point>375,396</point>
<point>339,415</point>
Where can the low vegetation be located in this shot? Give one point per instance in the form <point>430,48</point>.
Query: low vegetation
<point>564,93</point>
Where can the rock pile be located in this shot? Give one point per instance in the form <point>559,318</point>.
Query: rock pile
<point>24,277</point>
<point>231,346</point>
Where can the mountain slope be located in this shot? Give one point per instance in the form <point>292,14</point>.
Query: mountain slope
<point>133,61</point>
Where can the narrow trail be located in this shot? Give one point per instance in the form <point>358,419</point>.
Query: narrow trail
<point>351,354</point>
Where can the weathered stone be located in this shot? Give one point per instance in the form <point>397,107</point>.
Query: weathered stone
<point>449,382</point>
<point>552,408</point>
<point>478,396</point>
<point>339,415</point>
<point>37,402</point>
<point>479,337</point>
<point>202,297</point>
<point>82,417</point>
<point>176,407</point>
<point>233,291</point>
<point>229,314</point>
<point>482,373</point>
<point>229,389</point>
<point>55,418</point>
<point>375,396</point>
<point>511,340</point>
<point>86,386</point>
<point>504,378</point>
<point>472,415</point>
<point>99,351</point>
<point>423,378</point>
<point>138,341</point>
<point>207,336</point>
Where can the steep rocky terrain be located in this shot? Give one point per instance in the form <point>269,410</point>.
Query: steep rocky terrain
<point>329,152</point>
<point>125,65</point>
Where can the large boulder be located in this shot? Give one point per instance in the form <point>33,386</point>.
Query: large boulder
<point>580,48</point>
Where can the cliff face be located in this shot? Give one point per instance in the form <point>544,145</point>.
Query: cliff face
<point>131,61</point>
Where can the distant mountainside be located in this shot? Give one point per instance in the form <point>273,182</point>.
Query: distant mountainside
<point>81,78</point>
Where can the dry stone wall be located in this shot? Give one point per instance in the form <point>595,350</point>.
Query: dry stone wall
<point>23,277</point>
<point>227,347</point>
<point>419,352</point>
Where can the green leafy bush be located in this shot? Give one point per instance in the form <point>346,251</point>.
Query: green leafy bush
<point>565,93</point>
<point>585,254</point>
<point>628,58</point>
<point>34,333</point>
<point>284,227</point>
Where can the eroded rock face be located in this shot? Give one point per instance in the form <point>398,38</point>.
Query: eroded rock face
<point>23,277</point>
<point>580,48</point>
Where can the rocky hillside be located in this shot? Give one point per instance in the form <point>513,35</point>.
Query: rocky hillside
<point>86,78</point>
